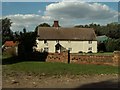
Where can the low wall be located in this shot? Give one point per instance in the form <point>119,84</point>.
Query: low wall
<point>57,57</point>
<point>116,58</point>
<point>113,60</point>
<point>92,59</point>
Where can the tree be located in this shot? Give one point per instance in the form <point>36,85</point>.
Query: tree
<point>101,47</point>
<point>26,42</point>
<point>112,45</point>
<point>7,34</point>
<point>44,25</point>
<point>24,30</point>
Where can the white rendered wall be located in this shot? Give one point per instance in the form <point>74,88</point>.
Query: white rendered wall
<point>75,45</point>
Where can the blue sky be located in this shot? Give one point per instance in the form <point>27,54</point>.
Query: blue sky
<point>33,7</point>
<point>31,14</point>
<point>23,7</point>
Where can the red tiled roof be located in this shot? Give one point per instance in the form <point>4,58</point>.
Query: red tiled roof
<point>10,43</point>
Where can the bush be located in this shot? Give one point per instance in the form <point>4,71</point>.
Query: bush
<point>113,45</point>
<point>90,52</point>
<point>101,47</point>
<point>80,52</point>
<point>101,51</point>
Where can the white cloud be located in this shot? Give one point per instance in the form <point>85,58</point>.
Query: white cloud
<point>79,10</point>
<point>30,21</point>
<point>68,14</point>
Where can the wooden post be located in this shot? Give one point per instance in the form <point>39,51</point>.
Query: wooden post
<point>68,56</point>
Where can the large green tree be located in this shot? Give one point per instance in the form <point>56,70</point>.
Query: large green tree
<point>26,42</point>
<point>42,25</point>
<point>7,33</point>
<point>112,45</point>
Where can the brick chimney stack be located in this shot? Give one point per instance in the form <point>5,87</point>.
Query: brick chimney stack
<point>56,24</point>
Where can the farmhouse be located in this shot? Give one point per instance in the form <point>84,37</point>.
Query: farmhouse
<point>59,39</point>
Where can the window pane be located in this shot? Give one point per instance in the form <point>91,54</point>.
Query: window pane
<point>90,48</point>
<point>90,42</point>
<point>46,49</point>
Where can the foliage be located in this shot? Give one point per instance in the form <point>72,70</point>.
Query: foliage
<point>44,25</point>
<point>111,30</point>
<point>101,47</point>
<point>80,52</point>
<point>112,45</point>
<point>89,51</point>
<point>7,34</point>
<point>26,42</point>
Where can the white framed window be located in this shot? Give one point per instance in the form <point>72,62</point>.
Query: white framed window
<point>90,48</point>
<point>45,42</point>
<point>46,49</point>
<point>89,42</point>
<point>57,41</point>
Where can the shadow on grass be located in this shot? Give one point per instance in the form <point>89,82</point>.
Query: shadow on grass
<point>103,84</point>
<point>36,56</point>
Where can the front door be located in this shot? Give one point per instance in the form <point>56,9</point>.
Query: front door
<point>58,48</point>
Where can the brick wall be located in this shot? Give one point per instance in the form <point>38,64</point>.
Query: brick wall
<point>91,59</point>
<point>57,57</point>
<point>116,58</point>
<point>85,59</point>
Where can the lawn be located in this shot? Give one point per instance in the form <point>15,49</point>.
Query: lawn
<point>59,68</point>
<point>55,68</point>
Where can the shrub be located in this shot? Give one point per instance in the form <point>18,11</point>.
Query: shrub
<point>89,51</point>
<point>112,45</point>
<point>80,52</point>
<point>101,51</point>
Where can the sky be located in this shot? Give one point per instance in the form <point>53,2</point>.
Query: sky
<point>69,14</point>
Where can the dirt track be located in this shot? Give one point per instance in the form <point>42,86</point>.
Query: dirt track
<point>18,80</point>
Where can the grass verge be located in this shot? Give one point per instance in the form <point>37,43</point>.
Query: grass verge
<point>59,68</point>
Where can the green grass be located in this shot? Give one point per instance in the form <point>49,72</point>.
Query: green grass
<point>59,68</point>
<point>105,53</point>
